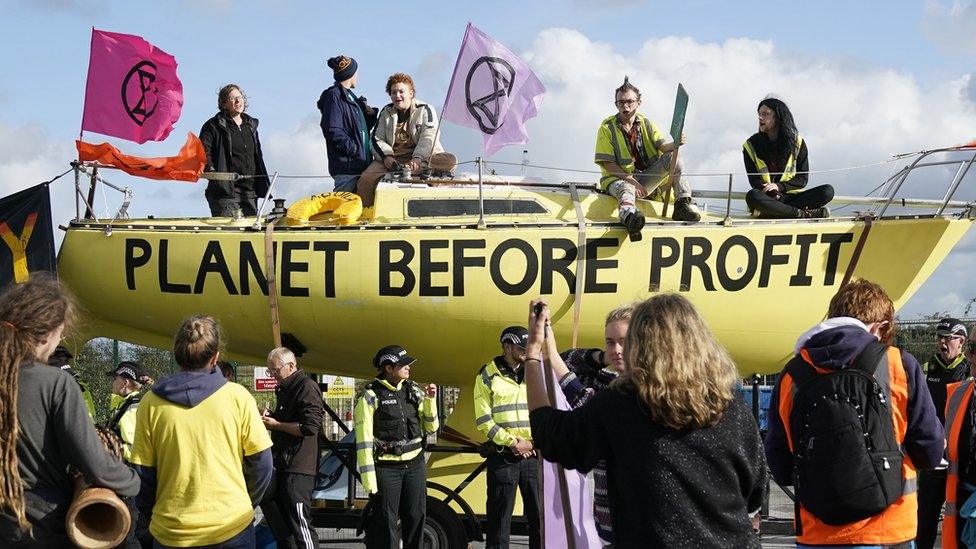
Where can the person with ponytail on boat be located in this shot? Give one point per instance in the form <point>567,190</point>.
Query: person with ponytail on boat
<point>45,424</point>
<point>202,452</point>
<point>635,159</point>
<point>231,141</point>
<point>777,164</point>
<point>405,138</point>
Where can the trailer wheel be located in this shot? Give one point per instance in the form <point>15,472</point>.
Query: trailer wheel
<point>443,529</point>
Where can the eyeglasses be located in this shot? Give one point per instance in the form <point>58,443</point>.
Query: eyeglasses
<point>948,337</point>
<point>625,102</point>
<point>768,114</point>
<point>239,98</point>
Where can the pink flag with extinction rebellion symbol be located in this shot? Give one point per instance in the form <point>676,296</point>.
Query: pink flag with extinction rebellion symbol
<point>133,91</point>
<point>492,90</point>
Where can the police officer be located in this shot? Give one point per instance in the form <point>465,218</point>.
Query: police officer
<point>502,415</point>
<point>393,416</point>
<point>61,358</point>
<point>127,380</point>
<point>948,365</point>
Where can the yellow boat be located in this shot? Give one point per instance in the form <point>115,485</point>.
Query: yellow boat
<point>441,269</point>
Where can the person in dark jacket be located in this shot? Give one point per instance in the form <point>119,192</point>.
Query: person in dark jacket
<point>232,144</point>
<point>294,426</point>
<point>47,431</point>
<point>949,365</point>
<point>684,459</point>
<point>777,162</point>
<point>859,314</point>
<point>347,122</point>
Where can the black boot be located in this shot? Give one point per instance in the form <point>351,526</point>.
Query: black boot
<point>634,222</point>
<point>683,211</point>
<point>816,213</point>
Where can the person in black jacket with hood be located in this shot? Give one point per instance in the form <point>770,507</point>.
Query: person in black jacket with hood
<point>347,122</point>
<point>232,144</point>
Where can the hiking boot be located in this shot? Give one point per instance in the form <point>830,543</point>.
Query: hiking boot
<point>684,212</point>
<point>634,222</point>
<point>816,213</point>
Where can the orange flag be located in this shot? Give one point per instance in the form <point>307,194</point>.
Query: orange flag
<point>185,166</point>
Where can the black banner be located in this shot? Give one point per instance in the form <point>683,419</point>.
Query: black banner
<point>27,233</point>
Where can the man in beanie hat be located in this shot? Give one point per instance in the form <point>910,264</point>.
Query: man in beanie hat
<point>393,416</point>
<point>346,123</point>
<point>948,365</point>
<point>502,414</point>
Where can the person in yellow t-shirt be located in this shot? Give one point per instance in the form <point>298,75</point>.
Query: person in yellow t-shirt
<point>201,449</point>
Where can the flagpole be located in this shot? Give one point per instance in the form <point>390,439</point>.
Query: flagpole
<point>84,104</point>
<point>450,87</point>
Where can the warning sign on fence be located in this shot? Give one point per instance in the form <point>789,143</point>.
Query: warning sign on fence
<point>340,387</point>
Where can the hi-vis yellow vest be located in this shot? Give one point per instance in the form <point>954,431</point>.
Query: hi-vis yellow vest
<point>501,408</point>
<point>789,171</point>
<point>611,145</point>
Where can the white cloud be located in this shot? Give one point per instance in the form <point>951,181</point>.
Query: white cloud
<point>950,25</point>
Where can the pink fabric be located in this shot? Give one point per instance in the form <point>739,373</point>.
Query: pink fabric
<point>133,91</point>
<point>492,90</point>
<point>580,513</point>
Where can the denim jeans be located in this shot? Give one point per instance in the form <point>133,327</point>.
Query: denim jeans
<point>346,183</point>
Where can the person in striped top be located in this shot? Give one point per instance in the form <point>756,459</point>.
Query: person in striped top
<point>583,373</point>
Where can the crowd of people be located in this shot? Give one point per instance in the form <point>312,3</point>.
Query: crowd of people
<point>871,441</point>
<point>636,160</point>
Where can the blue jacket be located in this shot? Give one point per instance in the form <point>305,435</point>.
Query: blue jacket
<point>346,128</point>
<point>834,344</point>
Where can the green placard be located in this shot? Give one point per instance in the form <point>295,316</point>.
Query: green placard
<point>680,109</point>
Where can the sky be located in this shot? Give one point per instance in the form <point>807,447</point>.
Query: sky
<point>864,80</point>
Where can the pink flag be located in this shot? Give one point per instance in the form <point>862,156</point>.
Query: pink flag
<point>133,91</point>
<point>492,90</point>
<point>558,522</point>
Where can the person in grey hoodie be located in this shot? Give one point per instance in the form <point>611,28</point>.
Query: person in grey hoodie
<point>47,432</point>
<point>201,449</point>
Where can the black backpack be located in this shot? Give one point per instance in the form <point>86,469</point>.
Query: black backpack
<point>846,461</point>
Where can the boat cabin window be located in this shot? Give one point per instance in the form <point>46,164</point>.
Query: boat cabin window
<point>435,207</point>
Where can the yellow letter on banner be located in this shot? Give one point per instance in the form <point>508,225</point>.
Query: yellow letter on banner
<point>18,246</point>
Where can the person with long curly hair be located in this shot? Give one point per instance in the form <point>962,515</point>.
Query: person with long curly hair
<point>684,458</point>
<point>45,431</point>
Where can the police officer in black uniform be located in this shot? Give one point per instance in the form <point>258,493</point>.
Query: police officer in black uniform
<point>393,416</point>
<point>949,365</point>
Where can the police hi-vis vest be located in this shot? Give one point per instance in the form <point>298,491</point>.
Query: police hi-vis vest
<point>959,396</point>
<point>123,420</point>
<point>895,524</point>
<point>611,146</point>
<point>789,171</point>
<point>390,425</point>
<point>501,407</point>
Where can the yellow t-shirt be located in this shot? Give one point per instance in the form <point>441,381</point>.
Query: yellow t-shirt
<point>201,497</point>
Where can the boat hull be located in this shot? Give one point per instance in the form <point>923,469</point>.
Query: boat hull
<point>445,292</point>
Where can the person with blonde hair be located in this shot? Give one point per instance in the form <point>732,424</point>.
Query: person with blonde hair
<point>684,460</point>
<point>45,424</point>
<point>201,449</point>
<point>582,373</point>
<point>851,421</point>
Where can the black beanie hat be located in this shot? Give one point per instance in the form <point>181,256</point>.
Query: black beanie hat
<point>343,68</point>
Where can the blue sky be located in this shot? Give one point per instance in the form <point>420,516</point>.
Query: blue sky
<point>864,79</point>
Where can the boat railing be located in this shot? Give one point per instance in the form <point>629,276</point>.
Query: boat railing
<point>889,195</point>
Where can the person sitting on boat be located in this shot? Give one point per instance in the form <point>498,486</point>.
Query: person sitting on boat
<point>346,123</point>
<point>635,160</point>
<point>777,163</point>
<point>405,138</point>
<point>231,141</point>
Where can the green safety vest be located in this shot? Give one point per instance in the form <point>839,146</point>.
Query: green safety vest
<point>789,171</point>
<point>501,406</point>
